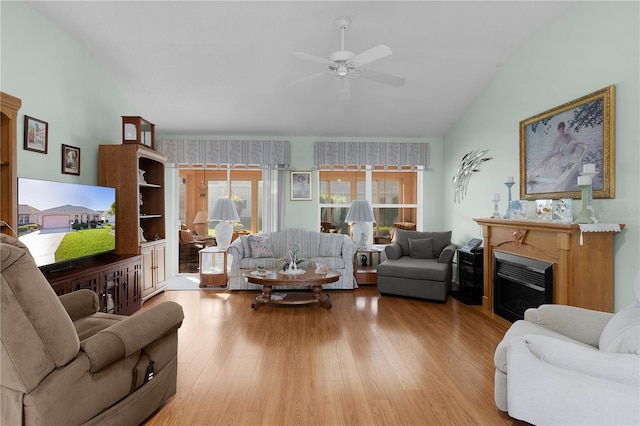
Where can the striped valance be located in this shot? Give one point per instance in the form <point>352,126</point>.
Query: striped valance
<point>391,154</point>
<point>218,153</point>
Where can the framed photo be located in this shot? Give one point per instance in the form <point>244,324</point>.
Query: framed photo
<point>301,186</point>
<point>36,135</point>
<point>70,160</point>
<point>556,144</point>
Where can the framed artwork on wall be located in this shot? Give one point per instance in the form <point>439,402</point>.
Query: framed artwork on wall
<point>556,144</point>
<point>70,160</point>
<point>36,135</point>
<point>301,186</point>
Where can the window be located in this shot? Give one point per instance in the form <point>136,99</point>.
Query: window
<point>393,196</point>
<point>199,190</point>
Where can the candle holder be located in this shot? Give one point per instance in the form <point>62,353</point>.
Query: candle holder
<point>507,214</point>
<point>589,197</point>
<point>584,216</point>
<point>495,199</point>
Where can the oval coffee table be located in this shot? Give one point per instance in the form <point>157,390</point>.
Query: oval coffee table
<point>308,279</point>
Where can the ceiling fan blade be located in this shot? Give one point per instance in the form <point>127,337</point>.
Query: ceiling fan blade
<point>389,79</point>
<point>373,54</point>
<point>313,58</point>
<point>310,78</point>
<point>345,90</point>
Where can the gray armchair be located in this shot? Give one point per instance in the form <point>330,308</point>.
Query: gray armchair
<point>419,264</point>
<point>568,365</point>
<point>65,363</point>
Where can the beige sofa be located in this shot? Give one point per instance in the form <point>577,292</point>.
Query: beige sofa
<point>64,363</point>
<point>568,365</point>
<point>334,250</point>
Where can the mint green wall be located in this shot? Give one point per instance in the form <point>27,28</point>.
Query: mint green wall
<point>594,45</point>
<point>58,82</point>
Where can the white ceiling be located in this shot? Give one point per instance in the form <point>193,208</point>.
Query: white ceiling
<point>222,67</point>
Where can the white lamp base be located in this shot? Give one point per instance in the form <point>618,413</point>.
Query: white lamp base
<point>224,232</point>
<point>360,234</point>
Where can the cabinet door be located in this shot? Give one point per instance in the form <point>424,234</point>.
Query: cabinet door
<point>111,283</point>
<point>160,262</point>
<point>148,279</point>
<point>130,292</point>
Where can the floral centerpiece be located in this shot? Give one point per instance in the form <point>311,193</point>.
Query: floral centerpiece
<point>292,260</point>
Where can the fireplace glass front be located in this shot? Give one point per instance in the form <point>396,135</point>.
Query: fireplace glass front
<point>520,283</point>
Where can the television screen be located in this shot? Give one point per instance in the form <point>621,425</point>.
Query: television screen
<point>60,222</point>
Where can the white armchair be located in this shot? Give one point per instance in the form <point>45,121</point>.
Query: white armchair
<point>568,365</point>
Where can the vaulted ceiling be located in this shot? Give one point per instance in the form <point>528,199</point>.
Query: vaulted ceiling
<point>226,67</point>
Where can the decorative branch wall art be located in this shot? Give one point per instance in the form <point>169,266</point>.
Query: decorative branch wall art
<point>469,165</point>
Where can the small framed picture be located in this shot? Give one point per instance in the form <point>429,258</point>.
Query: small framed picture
<point>70,160</point>
<point>36,135</point>
<point>301,186</point>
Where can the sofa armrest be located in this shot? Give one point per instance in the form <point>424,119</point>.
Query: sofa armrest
<point>393,251</point>
<point>620,368</point>
<point>132,334</point>
<point>348,249</point>
<point>446,256</point>
<point>583,325</point>
<point>236,249</point>
<point>80,303</point>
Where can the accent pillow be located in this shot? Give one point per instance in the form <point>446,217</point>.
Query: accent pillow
<point>260,246</point>
<point>440,240</point>
<point>421,248</point>
<point>622,333</point>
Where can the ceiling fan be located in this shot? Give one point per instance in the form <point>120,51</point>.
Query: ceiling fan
<point>345,64</point>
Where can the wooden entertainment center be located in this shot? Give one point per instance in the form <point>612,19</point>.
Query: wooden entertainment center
<point>583,261</point>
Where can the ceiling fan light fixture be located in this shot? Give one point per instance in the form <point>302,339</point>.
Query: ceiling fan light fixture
<point>342,71</point>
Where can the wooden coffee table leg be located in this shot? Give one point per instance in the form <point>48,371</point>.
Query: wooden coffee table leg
<point>263,298</point>
<point>322,298</point>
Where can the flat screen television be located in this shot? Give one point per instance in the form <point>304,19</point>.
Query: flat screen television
<point>61,222</point>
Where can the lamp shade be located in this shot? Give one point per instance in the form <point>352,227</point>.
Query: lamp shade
<point>224,209</point>
<point>201,217</point>
<point>360,211</point>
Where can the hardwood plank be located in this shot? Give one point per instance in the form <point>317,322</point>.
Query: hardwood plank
<point>369,360</point>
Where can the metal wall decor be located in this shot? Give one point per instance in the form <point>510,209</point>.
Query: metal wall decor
<point>468,165</point>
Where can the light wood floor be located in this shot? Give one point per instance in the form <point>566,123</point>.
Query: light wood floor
<point>370,360</point>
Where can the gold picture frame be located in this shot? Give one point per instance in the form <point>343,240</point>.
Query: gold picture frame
<point>555,144</point>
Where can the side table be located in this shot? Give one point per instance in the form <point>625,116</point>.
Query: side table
<point>365,265</point>
<point>213,266</point>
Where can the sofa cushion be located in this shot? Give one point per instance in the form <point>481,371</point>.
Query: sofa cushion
<point>440,240</point>
<point>260,246</point>
<point>622,332</point>
<point>421,248</point>
<point>330,245</point>
<point>418,269</point>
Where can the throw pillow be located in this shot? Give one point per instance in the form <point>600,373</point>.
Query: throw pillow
<point>421,248</point>
<point>260,246</point>
<point>440,240</point>
<point>622,332</point>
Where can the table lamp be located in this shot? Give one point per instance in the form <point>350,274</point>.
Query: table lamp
<point>225,211</point>
<point>200,223</point>
<point>360,213</point>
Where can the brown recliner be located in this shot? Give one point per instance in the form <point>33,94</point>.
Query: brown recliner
<point>65,363</point>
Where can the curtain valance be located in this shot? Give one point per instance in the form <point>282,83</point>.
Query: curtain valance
<point>393,154</point>
<point>212,152</point>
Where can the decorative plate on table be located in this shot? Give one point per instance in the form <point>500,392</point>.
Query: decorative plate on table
<point>292,272</point>
<point>261,273</point>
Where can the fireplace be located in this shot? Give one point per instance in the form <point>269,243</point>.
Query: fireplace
<point>520,283</point>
